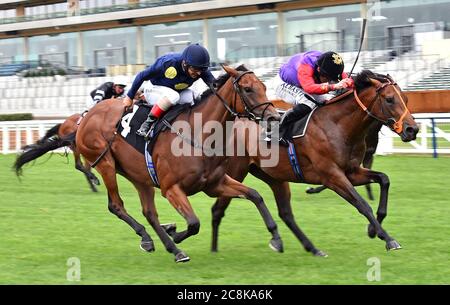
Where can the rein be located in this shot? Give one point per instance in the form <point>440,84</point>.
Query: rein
<point>395,125</point>
<point>249,114</point>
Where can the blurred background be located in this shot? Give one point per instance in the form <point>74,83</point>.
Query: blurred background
<point>53,53</point>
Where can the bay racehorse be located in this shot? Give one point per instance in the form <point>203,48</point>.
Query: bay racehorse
<point>330,153</point>
<point>371,147</point>
<point>58,136</point>
<point>367,162</point>
<point>238,93</point>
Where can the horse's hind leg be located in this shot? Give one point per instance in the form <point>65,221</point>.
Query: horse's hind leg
<point>315,190</point>
<point>234,189</point>
<point>147,196</point>
<point>342,186</point>
<point>218,212</point>
<point>367,163</point>
<point>362,176</point>
<point>180,202</point>
<point>79,166</point>
<point>238,171</point>
<point>115,204</point>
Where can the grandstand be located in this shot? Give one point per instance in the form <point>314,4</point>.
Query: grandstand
<point>88,42</point>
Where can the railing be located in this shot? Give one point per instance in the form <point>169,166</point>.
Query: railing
<point>16,134</point>
<point>433,137</point>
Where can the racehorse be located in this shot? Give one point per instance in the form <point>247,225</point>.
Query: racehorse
<point>330,153</point>
<point>367,162</point>
<point>239,93</point>
<point>56,137</point>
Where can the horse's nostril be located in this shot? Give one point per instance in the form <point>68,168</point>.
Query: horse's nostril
<point>411,130</point>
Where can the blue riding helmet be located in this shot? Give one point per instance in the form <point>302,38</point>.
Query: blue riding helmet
<point>196,56</point>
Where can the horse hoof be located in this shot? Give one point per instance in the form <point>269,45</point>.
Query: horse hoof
<point>393,245</point>
<point>181,257</point>
<point>310,190</point>
<point>276,245</point>
<point>371,231</point>
<point>147,246</point>
<point>170,228</point>
<point>320,253</point>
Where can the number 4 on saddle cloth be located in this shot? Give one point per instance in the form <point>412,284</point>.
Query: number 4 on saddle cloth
<point>132,121</point>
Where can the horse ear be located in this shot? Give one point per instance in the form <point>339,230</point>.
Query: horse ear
<point>374,82</point>
<point>230,70</point>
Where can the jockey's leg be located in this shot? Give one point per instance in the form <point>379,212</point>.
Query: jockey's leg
<point>165,98</point>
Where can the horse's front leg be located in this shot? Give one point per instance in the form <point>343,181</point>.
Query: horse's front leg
<point>234,189</point>
<point>178,199</point>
<point>363,176</point>
<point>338,182</point>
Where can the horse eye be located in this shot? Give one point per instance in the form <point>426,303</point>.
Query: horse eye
<point>247,89</point>
<point>390,100</point>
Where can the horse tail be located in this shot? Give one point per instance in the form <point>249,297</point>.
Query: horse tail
<point>50,133</point>
<point>34,151</point>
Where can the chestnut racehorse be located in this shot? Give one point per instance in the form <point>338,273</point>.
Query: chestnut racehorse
<point>330,153</point>
<point>56,137</point>
<point>239,93</point>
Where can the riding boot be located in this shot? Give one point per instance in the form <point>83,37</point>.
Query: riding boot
<point>145,127</point>
<point>295,114</point>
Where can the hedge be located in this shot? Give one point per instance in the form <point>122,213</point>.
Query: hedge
<point>16,117</point>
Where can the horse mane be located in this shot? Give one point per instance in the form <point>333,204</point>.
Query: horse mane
<point>362,79</point>
<point>221,80</point>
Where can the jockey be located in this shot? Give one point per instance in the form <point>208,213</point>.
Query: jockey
<point>308,80</point>
<point>169,80</point>
<point>106,91</point>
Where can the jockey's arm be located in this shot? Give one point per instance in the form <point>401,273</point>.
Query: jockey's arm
<point>305,75</point>
<point>142,76</point>
<point>100,93</point>
<point>208,78</point>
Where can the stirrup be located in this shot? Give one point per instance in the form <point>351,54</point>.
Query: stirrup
<point>149,133</point>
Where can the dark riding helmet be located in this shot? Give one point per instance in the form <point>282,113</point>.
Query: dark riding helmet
<point>331,65</point>
<point>196,56</point>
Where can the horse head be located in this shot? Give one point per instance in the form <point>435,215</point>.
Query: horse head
<point>253,102</point>
<point>385,102</point>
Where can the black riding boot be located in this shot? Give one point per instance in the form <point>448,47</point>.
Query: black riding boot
<point>295,114</point>
<point>145,127</point>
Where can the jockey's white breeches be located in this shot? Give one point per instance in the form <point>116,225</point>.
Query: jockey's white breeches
<point>294,95</point>
<point>154,93</point>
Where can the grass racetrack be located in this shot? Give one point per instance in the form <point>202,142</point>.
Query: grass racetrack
<point>52,216</point>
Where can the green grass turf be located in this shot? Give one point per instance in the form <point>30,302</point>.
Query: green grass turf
<point>51,216</point>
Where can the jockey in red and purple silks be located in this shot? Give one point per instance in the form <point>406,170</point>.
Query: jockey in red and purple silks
<point>310,78</point>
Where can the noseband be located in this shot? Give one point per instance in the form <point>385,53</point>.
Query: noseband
<point>392,123</point>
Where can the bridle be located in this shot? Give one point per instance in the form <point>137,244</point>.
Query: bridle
<point>392,123</point>
<point>249,110</point>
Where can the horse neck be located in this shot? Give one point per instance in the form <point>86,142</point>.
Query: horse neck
<point>353,120</point>
<point>213,109</point>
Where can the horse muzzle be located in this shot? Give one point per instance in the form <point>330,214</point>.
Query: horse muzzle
<point>409,132</point>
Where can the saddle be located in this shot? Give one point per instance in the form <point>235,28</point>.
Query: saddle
<point>132,121</point>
